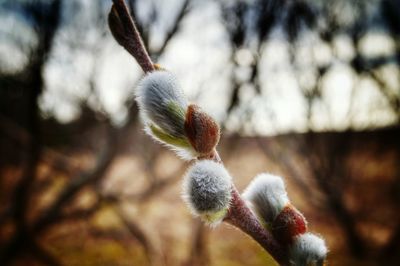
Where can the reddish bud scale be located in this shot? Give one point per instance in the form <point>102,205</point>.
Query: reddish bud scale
<point>288,224</point>
<point>201,130</point>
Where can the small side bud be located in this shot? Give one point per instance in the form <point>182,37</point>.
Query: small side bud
<point>268,199</point>
<point>308,249</point>
<point>207,190</point>
<point>267,196</point>
<point>201,130</point>
<point>288,224</point>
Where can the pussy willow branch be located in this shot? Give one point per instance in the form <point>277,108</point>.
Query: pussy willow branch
<point>239,215</point>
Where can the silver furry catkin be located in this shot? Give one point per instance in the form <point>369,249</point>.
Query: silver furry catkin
<point>169,118</point>
<point>308,249</point>
<point>268,199</point>
<point>267,195</point>
<point>207,190</point>
<point>162,101</point>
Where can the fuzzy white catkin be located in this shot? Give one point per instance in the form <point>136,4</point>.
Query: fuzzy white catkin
<point>156,91</point>
<point>207,188</point>
<point>308,249</point>
<point>267,196</point>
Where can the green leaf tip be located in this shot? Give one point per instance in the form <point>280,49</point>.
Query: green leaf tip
<point>169,139</point>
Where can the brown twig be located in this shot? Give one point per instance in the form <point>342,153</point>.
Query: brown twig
<point>181,14</point>
<point>42,254</point>
<point>198,254</point>
<point>135,230</point>
<point>81,214</point>
<point>103,163</point>
<point>23,240</point>
<point>240,216</point>
<point>126,34</point>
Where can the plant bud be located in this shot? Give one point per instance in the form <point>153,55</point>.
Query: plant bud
<point>207,190</point>
<point>268,199</point>
<point>308,249</point>
<point>267,196</point>
<point>163,108</point>
<point>201,130</point>
<point>162,102</point>
<point>288,224</point>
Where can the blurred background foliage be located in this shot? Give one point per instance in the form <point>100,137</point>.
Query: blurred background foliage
<point>307,89</point>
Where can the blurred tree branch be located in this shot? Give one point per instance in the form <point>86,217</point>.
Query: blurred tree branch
<point>198,254</point>
<point>171,32</point>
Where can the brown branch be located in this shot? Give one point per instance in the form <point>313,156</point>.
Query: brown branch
<point>126,34</point>
<point>391,98</point>
<point>47,27</point>
<point>135,230</point>
<point>181,14</point>
<point>240,216</point>
<point>109,233</point>
<point>42,254</point>
<point>14,131</point>
<point>323,171</point>
<point>390,249</point>
<point>80,214</point>
<point>19,241</point>
<point>198,254</point>
<point>392,246</point>
<point>5,215</point>
<point>155,188</point>
<point>144,33</point>
<point>77,184</point>
<point>284,160</point>
<point>145,195</point>
<point>122,237</point>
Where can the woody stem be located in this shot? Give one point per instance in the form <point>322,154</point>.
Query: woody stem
<point>126,33</point>
<point>240,216</point>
